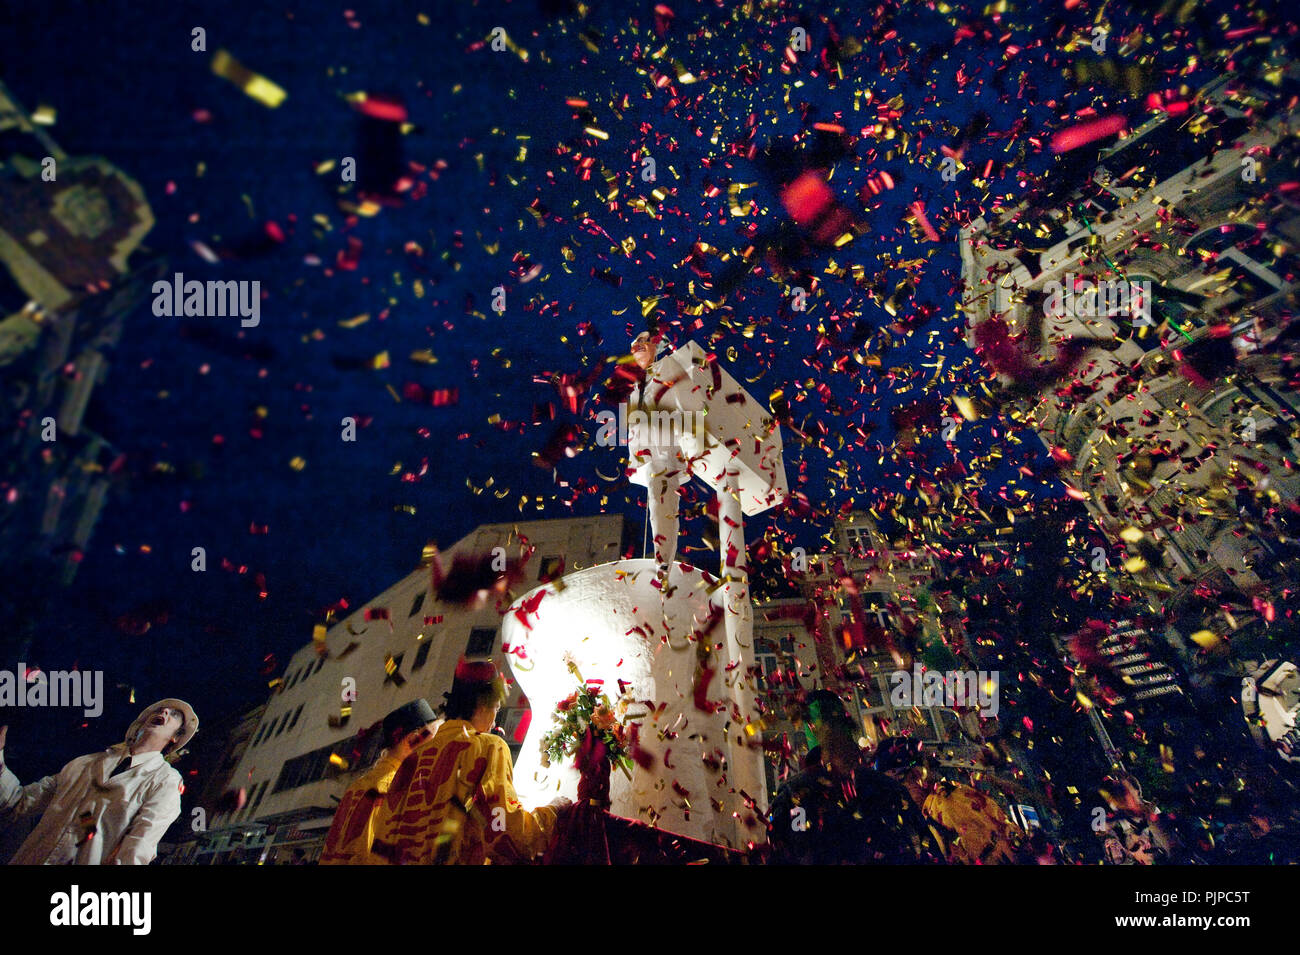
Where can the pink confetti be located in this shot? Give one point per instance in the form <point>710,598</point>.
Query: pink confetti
<point>1084,133</point>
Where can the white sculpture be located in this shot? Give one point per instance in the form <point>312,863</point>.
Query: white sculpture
<point>679,639</point>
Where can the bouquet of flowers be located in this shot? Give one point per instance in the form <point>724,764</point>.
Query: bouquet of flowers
<point>585,714</point>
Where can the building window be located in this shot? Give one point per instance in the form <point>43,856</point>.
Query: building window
<point>918,722</point>
<point>421,655</point>
<point>283,722</point>
<point>417,604</point>
<point>320,663</point>
<point>949,725</point>
<point>289,773</point>
<point>303,769</point>
<point>768,664</point>
<point>393,670</point>
<point>296,713</point>
<point>768,661</point>
<point>288,684</point>
<point>874,696</point>
<point>255,797</point>
<point>859,543</point>
<point>552,568</point>
<point>481,642</point>
<point>251,804</point>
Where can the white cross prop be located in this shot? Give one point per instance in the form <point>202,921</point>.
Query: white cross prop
<point>645,622</point>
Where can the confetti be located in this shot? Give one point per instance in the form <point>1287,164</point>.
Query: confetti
<point>254,85</point>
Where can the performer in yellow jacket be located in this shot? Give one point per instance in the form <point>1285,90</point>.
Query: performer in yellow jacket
<point>453,802</point>
<point>984,835</point>
<point>972,824</point>
<point>364,804</point>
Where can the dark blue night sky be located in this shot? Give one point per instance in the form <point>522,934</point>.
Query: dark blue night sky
<point>211,415</point>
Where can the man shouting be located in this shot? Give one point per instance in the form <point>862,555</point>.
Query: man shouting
<point>108,808</point>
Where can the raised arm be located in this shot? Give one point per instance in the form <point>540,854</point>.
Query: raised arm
<point>512,833</point>
<point>18,801</point>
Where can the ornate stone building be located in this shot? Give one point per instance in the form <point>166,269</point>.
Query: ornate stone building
<point>72,269</point>
<point>1141,324</point>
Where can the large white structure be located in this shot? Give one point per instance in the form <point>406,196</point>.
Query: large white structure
<point>677,639</point>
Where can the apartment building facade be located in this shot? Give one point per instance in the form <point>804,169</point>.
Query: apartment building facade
<point>1172,274</point>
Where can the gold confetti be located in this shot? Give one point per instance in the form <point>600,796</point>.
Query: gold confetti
<point>254,85</point>
<point>1166,758</point>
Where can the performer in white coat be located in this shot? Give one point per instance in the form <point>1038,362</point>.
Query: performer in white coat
<point>108,808</point>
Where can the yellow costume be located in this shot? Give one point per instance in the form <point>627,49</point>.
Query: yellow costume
<point>363,805</point>
<point>984,836</point>
<point>454,803</point>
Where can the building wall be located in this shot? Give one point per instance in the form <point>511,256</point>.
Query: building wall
<point>1152,448</point>
<point>905,621</point>
<point>901,588</point>
<point>785,653</point>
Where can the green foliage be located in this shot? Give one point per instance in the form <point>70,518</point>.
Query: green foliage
<point>584,710</point>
